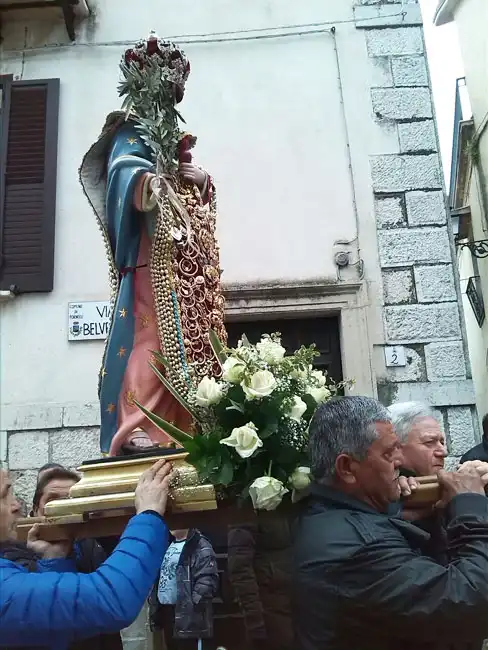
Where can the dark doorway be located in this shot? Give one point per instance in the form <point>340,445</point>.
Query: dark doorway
<point>324,332</point>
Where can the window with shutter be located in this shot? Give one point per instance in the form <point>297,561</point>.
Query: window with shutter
<point>28,146</point>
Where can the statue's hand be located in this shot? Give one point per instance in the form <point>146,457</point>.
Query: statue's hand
<point>192,174</point>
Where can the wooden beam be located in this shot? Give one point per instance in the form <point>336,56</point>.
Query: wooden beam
<point>112,524</point>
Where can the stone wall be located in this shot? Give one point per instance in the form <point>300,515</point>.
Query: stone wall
<point>36,435</point>
<point>421,298</point>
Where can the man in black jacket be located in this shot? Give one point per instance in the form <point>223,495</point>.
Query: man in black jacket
<point>480,452</point>
<point>362,579</point>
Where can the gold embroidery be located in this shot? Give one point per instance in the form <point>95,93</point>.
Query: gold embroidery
<point>130,396</point>
<point>145,320</point>
<point>110,408</point>
<point>123,312</point>
<point>121,352</point>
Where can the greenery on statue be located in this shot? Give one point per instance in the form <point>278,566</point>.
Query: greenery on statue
<point>150,101</point>
<point>252,424</point>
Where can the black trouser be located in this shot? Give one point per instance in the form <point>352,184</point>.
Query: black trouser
<point>167,619</point>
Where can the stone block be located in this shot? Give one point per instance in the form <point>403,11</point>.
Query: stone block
<point>401,103</point>
<point>25,486</point>
<point>461,435</point>
<point>445,361</point>
<point>413,371</point>
<point>425,208</point>
<point>451,463</point>
<point>417,136</point>
<point>438,393</point>
<point>81,415</point>
<point>409,71</point>
<point>28,449</point>
<point>398,287</point>
<point>139,628</point>
<point>380,72</point>
<point>31,417</point>
<point>383,15</point>
<point>3,447</point>
<point>390,212</point>
<point>435,283</point>
<point>439,416</point>
<point>404,246</point>
<point>70,447</point>
<point>395,41</point>
<point>422,323</point>
<point>393,173</point>
<point>136,644</point>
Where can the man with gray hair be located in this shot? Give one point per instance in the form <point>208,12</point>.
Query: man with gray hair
<point>362,579</point>
<point>423,443</point>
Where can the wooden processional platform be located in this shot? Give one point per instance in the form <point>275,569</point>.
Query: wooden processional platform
<point>102,502</point>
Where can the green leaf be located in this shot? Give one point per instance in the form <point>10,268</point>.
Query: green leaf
<point>217,347</point>
<point>177,435</point>
<point>164,362</point>
<point>245,341</point>
<point>225,473</point>
<point>270,428</point>
<point>235,407</point>
<point>176,394</point>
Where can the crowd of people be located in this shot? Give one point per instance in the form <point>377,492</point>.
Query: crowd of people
<point>355,568</point>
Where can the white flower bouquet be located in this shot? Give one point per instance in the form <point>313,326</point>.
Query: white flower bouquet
<point>252,422</point>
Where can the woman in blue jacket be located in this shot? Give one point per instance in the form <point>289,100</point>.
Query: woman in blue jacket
<point>56,606</point>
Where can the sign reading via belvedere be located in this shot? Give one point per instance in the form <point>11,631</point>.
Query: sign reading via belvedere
<point>88,321</point>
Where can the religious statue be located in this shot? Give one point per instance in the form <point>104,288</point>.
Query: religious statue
<point>157,214</point>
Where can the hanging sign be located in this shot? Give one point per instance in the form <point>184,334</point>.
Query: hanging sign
<point>88,321</point>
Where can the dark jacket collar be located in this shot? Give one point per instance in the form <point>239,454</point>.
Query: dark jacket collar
<point>340,499</point>
<point>337,499</point>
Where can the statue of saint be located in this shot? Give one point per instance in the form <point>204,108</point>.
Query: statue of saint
<point>157,214</point>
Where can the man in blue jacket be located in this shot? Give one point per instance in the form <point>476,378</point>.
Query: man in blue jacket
<point>56,606</point>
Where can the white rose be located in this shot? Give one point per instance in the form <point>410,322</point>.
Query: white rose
<point>266,493</point>
<point>319,377</point>
<point>320,393</point>
<point>301,373</point>
<point>244,439</point>
<point>261,385</point>
<point>270,351</point>
<point>233,369</point>
<point>208,392</point>
<point>300,479</point>
<point>297,410</point>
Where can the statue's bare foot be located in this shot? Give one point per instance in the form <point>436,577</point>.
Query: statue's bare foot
<point>140,438</point>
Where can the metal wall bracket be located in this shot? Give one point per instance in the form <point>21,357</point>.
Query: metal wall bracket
<point>478,248</point>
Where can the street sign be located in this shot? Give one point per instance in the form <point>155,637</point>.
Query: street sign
<point>88,321</point>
